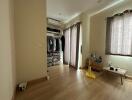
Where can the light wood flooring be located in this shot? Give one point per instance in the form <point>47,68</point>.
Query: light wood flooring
<point>68,84</point>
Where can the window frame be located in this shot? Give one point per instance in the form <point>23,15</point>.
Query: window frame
<point>108,35</point>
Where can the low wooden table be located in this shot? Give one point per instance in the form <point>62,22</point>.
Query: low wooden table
<point>120,72</point>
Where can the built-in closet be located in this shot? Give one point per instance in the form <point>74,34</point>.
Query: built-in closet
<point>54,47</point>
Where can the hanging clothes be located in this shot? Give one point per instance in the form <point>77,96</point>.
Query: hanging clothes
<point>54,42</point>
<point>50,44</point>
<point>63,42</point>
<point>57,44</point>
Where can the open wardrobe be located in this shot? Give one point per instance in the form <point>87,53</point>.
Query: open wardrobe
<point>54,45</point>
<point>53,50</point>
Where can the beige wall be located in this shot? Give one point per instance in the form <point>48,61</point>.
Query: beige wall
<point>98,34</point>
<point>30,38</point>
<point>7,55</point>
<point>85,19</point>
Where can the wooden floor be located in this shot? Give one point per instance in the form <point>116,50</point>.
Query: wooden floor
<point>68,84</point>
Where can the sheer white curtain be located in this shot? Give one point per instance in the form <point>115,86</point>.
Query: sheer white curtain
<point>71,52</point>
<point>116,35</point>
<point>73,46</point>
<point>127,34</point>
<point>121,34</point>
<point>67,46</point>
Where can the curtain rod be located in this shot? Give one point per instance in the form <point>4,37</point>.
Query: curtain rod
<point>120,14</point>
<point>73,25</point>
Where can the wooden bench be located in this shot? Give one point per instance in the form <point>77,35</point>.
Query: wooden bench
<point>119,71</point>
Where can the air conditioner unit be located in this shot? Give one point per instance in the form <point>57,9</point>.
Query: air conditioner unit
<point>54,22</point>
<point>53,30</point>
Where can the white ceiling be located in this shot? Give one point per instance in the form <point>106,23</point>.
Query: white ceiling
<point>66,9</point>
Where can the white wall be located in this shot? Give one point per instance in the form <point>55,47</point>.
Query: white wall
<point>7,55</point>
<point>98,34</point>
<point>30,38</point>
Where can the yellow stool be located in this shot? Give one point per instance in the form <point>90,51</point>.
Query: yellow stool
<point>89,72</point>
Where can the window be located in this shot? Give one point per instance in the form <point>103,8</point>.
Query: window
<point>119,34</point>
<point>72,44</point>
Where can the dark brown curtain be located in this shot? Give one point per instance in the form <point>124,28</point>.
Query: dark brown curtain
<point>108,36</point>
<point>67,46</point>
